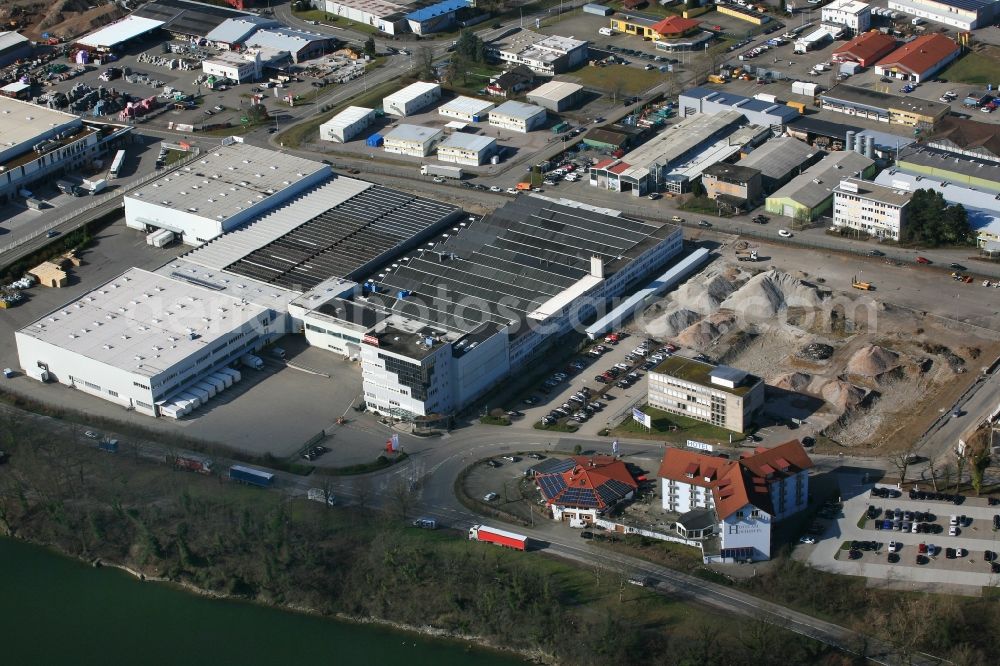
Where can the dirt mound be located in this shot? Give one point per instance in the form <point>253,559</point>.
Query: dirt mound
<point>770,292</point>
<point>702,334</point>
<point>872,361</point>
<point>841,394</point>
<point>704,296</point>
<point>669,324</point>
<point>73,18</point>
<point>792,381</point>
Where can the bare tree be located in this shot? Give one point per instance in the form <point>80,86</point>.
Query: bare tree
<point>401,496</point>
<point>903,459</point>
<point>424,62</point>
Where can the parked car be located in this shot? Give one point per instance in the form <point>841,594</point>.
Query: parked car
<point>784,233</point>
<point>923,260</point>
<point>490,497</point>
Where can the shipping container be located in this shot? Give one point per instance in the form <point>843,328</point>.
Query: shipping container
<point>232,372</point>
<point>224,377</point>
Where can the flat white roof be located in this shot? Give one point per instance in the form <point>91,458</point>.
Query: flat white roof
<point>412,91</point>
<point>555,90</point>
<point>227,180</point>
<point>847,6</point>
<point>519,110</point>
<point>378,8</point>
<point>143,322</point>
<point>565,297</point>
<point>116,33</point>
<point>16,87</point>
<point>466,105</point>
<point>351,114</point>
<point>23,121</point>
<point>238,286</point>
<point>230,248</point>
<point>286,39</point>
<point>468,142</point>
<point>406,132</point>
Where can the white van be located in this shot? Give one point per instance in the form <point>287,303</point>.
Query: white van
<point>917,21</point>
<point>607,32</point>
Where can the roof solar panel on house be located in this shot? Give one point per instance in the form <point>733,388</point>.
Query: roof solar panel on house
<point>551,485</point>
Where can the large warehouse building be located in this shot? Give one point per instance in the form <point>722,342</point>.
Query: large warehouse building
<point>557,96</point>
<point>147,339</point>
<point>467,149</point>
<point>388,17</point>
<point>13,46</point>
<point>347,124</point>
<point>39,144</point>
<point>411,99</point>
<point>222,190</point>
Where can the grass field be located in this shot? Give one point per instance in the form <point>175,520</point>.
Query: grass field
<point>973,68</point>
<point>673,427</point>
<point>631,80</point>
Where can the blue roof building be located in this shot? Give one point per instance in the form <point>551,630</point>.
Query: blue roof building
<point>433,18</point>
<point>758,112</point>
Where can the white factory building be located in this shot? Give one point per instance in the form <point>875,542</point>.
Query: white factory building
<point>959,14</point>
<point>518,116</point>
<point>221,190</point>
<point>411,99</point>
<point>556,96</point>
<point>878,211</point>
<point>234,66</point>
<point>467,109</point>
<point>545,54</point>
<point>388,17</point>
<point>412,140</point>
<point>142,337</point>
<point>853,15</point>
<point>466,149</point>
<point>347,124</point>
<point>38,144</point>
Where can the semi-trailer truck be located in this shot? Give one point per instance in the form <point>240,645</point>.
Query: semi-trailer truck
<point>443,171</point>
<point>194,464</point>
<point>499,537</point>
<point>251,361</point>
<point>253,477</point>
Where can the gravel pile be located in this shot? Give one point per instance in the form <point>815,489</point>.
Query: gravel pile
<point>872,361</point>
<point>770,292</point>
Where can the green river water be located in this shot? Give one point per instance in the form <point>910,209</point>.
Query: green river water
<point>54,611</point>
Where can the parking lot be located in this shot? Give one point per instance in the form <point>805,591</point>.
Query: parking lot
<point>500,482</point>
<point>850,545</point>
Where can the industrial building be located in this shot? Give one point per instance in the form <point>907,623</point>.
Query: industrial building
<point>951,167</point>
<point>883,107</point>
<point>435,17</point>
<point>720,395</point>
<point>387,17</point>
<point>223,189</point>
<point>467,109</point>
<point>654,28</point>
<point>299,44</point>
<point>967,137</point>
<point>40,144</point>
<point>810,194</point>
<point>980,204</point>
<point>757,112</point>
<point>411,99</point>
<point>557,96</point>
<point>866,49</point>
<point>444,326</point>
<point>959,14</point>
<point>545,54</point>
<point>614,136</point>
<point>518,116</point>
<point>679,154</point>
<point>347,124</point>
<point>412,140</point>
<point>13,47</point>
<point>236,67</point>
<point>141,338</point>
<point>114,36</point>
<point>920,59</point>
<point>855,16</point>
<point>732,187</point>
<point>743,496</point>
<point>779,160</point>
<point>466,149</point>
<point>234,32</point>
<point>878,211</point>
<point>184,19</point>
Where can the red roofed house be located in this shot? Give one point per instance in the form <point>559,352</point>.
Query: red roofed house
<point>747,494</point>
<point>920,59</point>
<point>866,49</point>
<point>674,27</point>
<point>580,489</point>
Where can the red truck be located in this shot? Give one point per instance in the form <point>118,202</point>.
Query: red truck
<point>193,464</point>
<point>499,537</point>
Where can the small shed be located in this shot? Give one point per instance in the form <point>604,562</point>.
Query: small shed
<point>599,10</point>
<point>49,274</point>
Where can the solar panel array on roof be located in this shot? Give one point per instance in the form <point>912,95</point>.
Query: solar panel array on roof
<point>581,497</point>
<point>342,240</point>
<point>188,18</point>
<point>551,485</point>
<point>613,490</point>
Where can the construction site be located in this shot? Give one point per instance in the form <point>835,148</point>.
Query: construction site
<point>856,369</point>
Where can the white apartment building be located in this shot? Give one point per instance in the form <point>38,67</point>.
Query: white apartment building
<point>467,149</point>
<point>747,494</point>
<point>411,99</point>
<point>869,208</point>
<point>855,16</point>
<point>518,116</point>
<point>720,395</point>
<point>233,66</point>
<point>466,109</point>
<point>412,140</point>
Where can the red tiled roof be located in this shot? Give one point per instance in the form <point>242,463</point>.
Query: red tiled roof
<point>674,25</point>
<point>618,168</point>
<point>604,163</point>
<point>740,482</point>
<point>921,54</point>
<point>867,47</point>
<point>589,474</point>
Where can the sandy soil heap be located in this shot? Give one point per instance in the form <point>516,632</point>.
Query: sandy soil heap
<point>872,361</point>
